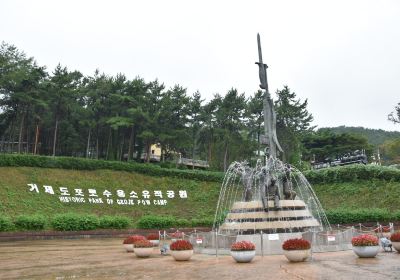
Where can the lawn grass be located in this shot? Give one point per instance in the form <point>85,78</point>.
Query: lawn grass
<point>15,198</point>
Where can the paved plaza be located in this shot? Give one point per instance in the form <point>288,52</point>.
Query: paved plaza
<point>106,259</point>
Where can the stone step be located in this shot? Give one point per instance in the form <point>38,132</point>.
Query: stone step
<point>268,215</point>
<point>283,225</point>
<point>255,204</point>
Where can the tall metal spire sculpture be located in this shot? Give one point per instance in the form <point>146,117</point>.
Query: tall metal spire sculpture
<point>268,104</point>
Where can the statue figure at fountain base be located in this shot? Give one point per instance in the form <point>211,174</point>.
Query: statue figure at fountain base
<point>270,191</point>
<point>288,192</point>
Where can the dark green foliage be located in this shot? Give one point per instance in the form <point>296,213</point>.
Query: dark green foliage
<point>30,222</point>
<point>292,122</point>
<point>182,223</point>
<point>346,216</point>
<point>156,222</point>
<point>352,173</point>
<point>325,144</point>
<point>87,164</point>
<point>114,222</point>
<point>395,216</point>
<point>6,224</point>
<point>375,137</point>
<point>165,222</point>
<point>74,222</point>
<point>205,222</point>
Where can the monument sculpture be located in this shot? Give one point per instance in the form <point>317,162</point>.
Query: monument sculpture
<point>272,197</point>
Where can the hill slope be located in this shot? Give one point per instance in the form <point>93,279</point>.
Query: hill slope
<point>375,137</point>
<point>16,199</point>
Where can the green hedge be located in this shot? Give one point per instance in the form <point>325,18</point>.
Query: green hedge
<point>74,222</point>
<point>6,224</point>
<point>328,175</point>
<point>114,222</point>
<point>346,216</point>
<point>165,222</point>
<point>154,222</point>
<point>351,173</point>
<point>30,222</point>
<point>91,164</point>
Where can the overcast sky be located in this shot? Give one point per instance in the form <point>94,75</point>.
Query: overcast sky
<point>343,56</point>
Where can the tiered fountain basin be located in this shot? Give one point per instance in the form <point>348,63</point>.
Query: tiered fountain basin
<point>250,217</point>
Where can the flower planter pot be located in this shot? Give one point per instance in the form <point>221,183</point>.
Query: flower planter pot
<point>183,255</point>
<point>243,256</point>
<point>366,251</point>
<point>297,255</point>
<point>155,242</point>
<point>143,252</point>
<point>128,247</point>
<point>396,245</point>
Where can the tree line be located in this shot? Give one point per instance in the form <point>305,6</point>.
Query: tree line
<point>115,118</point>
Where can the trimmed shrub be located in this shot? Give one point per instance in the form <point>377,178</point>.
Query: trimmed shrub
<point>115,222</point>
<point>30,222</point>
<point>155,222</point>
<point>92,164</point>
<point>182,223</point>
<point>205,222</point>
<point>6,224</point>
<point>346,216</point>
<point>74,222</point>
<point>351,173</point>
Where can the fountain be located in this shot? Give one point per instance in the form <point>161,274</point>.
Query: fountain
<point>273,198</point>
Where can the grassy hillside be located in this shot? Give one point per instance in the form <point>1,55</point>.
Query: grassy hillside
<point>15,198</point>
<point>359,194</point>
<point>338,189</point>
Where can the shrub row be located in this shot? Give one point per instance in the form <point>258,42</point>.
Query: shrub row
<point>327,175</point>
<point>75,222</point>
<point>91,164</point>
<point>346,216</point>
<point>64,222</point>
<point>164,222</point>
<point>351,173</point>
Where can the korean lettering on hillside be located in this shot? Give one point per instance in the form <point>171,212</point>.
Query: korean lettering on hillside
<point>104,196</point>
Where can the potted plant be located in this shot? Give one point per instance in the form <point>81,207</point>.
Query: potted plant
<point>130,240</point>
<point>395,238</point>
<point>154,238</point>
<point>296,249</point>
<point>143,248</point>
<point>243,251</point>
<point>365,245</point>
<point>181,250</point>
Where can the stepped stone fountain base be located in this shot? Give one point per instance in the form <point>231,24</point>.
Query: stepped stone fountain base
<point>250,217</point>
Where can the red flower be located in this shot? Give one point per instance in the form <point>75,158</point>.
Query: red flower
<point>133,238</point>
<point>143,244</point>
<point>177,234</point>
<point>382,229</point>
<point>395,237</point>
<point>243,246</point>
<point>365,240</point>
<point>153,236</point>
<point>296,244</point>
<point>181,245</point>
